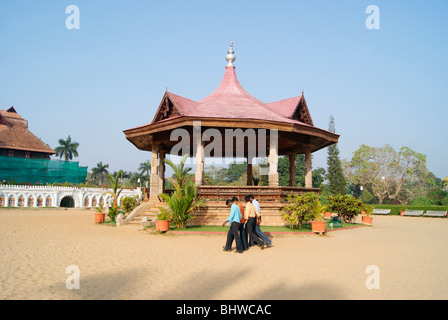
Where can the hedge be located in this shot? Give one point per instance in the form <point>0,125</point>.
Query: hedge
<point>395,209</point>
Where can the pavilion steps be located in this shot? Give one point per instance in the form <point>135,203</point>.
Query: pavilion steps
<point>148,209</point>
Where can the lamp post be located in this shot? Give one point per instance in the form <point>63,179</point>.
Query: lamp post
<point>362,188</point>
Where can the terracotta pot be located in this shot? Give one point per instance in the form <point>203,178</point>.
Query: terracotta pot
<point>327,215</point>
<point>367,220</point>
<point>318,227</point>
<point>162,225</point>
<point>401,213</point>
<point>99,217</point>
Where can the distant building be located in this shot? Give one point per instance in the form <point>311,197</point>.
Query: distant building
<point>17,141</point>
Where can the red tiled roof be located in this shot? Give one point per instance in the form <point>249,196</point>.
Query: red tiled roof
<point>231,101</point>
<point>14,134</point>
<point>285,107</point>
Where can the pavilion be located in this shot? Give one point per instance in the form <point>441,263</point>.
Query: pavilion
<point>282,128</point>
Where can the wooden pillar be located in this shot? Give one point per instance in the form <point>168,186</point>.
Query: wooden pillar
<point>154,180</point>
<point>161,175</point>
<point>250,181</point>
<point>273,159</point>
<point>308,170</point>
<point>199,174</point>
<point>292,170</point>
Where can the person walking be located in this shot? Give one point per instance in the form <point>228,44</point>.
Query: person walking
<point>251,216</point>
<point>257,226</point>
<point>234,219</point>
<point>242,225</point>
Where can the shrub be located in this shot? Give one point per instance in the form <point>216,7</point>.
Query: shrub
<point>129,203</point>
<point>436,195</point>
<point>300,209</point>
<point>367,197</point>
<point>422,202</point>
<point>347,206</point>
<point>445,201</point>
<point>323,199</point>
<point>113,212</point>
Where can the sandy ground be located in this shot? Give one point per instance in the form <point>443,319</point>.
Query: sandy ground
<point>36,247</point>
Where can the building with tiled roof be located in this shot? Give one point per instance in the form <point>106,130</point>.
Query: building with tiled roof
<point>17,141</point>
<point>282,128</point>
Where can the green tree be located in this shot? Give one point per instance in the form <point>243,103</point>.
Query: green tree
<point>335,174</point>
<point>115,192</point>
<point>386,172</point>
<point>100,171</point>
<point>184,199</point>
<point>133,178</point>
<point>235,171</point>
<point>318,177</point>
<point>67,149</point>
<point>283,172</point>
<point>145,167</point>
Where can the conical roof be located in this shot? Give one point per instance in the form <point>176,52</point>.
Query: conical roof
<point>231,101</point>
<point>231,106</point>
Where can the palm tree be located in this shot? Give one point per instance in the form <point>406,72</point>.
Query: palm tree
<point>115,186</point>
<point>100,170</point>
<point>115,193</point>
<point>67,149</point>
<point>145,167</point>
<point>184,199</point>
<point>180,173</point>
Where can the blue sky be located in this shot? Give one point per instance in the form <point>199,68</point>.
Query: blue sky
<point>384,86</point>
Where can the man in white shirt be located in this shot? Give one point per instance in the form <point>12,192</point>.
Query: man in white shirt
<point>258,231</point>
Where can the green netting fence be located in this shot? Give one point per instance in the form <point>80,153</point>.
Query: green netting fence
<point>22,170</point>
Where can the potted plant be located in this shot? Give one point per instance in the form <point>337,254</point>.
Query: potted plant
<point>327,215</point>
<point>367,219</point>
<point>99,215</point>
<point>163,220</point>
<point>318,210</point>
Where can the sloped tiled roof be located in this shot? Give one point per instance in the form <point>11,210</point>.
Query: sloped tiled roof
<point>229,101</point>
<point>14,134</point>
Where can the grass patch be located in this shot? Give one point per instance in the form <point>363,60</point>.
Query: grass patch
<point>107,222</point>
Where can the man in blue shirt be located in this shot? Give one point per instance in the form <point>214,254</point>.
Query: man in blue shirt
<point>234,220</point>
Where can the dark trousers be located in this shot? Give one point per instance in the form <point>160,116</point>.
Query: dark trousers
<point>232,234</point>
<point>261,235</point>
<point>251,224</point>
<point>243,236</point>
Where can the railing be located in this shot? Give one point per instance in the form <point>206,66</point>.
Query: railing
<point>48,187</point>
<point>220,193</point>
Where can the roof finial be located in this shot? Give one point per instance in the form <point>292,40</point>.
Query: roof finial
<point>230,57</point>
